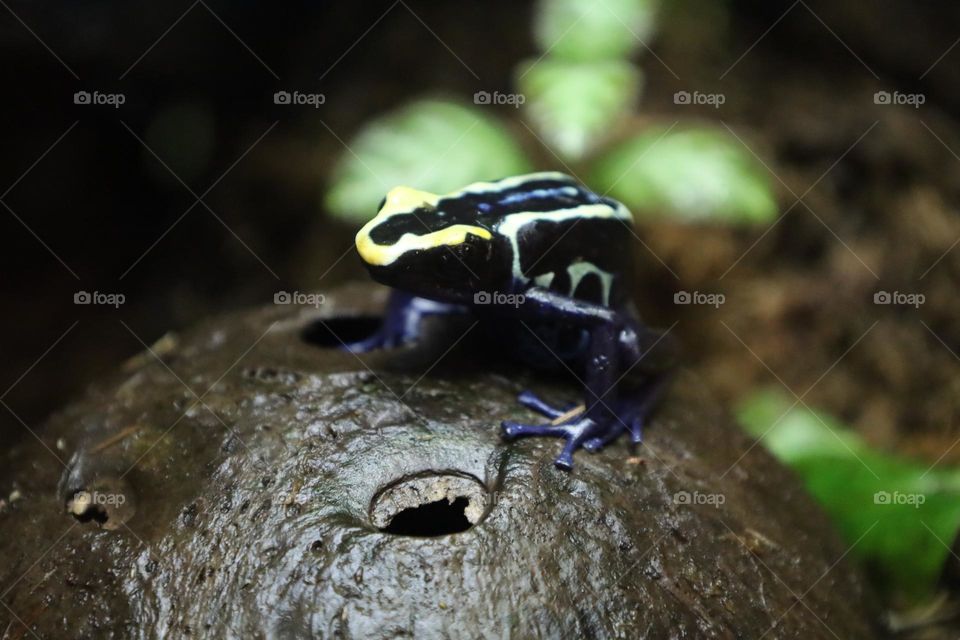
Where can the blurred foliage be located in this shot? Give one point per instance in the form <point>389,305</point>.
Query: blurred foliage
<point>900,516</point>
<point>593,29</point>
<point>693,174</point>
<point>575,104</point>
<point>429,144</point>
<point>576,95</point>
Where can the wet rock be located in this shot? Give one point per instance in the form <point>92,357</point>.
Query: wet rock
<point>274,486</point>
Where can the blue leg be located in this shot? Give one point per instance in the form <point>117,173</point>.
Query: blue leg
<point>595,444</point>
<point>633,413</point>
<point>574,430</point>
<point>592,432</point>
<point>401,322</point>
<point>617,344</point>
<point>532,401</point>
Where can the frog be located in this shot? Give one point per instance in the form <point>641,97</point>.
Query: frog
<point>548,263</point>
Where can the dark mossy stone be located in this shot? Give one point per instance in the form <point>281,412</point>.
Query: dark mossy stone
<point>245,479</point>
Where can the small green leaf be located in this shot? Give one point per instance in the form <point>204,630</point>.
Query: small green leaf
<point>899,515</point>
<point>593,29</point>
<point>574,104</point>
<point>694,174</point>
<point>430,145</point>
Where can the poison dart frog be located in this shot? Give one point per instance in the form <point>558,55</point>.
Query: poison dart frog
<point>548,263</point>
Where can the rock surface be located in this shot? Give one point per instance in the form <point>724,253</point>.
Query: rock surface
<point>235,481</point>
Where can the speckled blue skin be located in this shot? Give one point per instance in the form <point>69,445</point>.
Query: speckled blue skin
<point>565,251</point>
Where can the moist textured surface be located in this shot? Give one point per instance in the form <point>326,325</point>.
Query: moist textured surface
<point>231,473</point>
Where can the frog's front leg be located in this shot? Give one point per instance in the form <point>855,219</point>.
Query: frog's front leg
<point>605,415</point>
<point>401,321</point>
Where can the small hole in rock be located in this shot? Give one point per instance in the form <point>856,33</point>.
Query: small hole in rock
<point>438,518</point>
<point>93,514</point>
<point>333,333</point>
<point>108,502</point>
<point>429,504</point>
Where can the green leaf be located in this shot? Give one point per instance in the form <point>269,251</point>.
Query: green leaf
<point>693,174</point>
<point>593,29</point>
<point>899,515</point>
<point>574,104</point>
<point>428,144</point>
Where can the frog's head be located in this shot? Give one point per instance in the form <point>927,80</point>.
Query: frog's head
<point>432,246</point>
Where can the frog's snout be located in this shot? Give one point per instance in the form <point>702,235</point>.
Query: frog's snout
<point>408,224</point>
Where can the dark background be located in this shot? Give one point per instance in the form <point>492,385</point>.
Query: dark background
<point>90,208</point>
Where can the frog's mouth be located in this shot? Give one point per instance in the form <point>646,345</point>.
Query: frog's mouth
<point>445,272</point>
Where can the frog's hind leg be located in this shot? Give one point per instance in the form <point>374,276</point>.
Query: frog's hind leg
<point>617,345</point>
<point>645,404</point>
<point>535,403</point>
<point>633,412</point>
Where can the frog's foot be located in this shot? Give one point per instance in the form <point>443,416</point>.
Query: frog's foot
<point>401,322</point>
<point>594,429</point>
<point>577,430</point>
<point>599,442</point>
<point>382,339</point>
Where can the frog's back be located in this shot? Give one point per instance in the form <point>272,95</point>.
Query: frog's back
<point>562,236</point>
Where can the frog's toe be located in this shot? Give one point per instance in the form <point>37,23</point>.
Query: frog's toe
<point>382,339</point>
<point>535,403</point>
<point>596,443</point>
<point>513,430</point>
<point>363,346</point>
<point>564,461</point>
<point>636,430</point>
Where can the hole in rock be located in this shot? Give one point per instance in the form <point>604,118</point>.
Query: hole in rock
<point>438,518</point>
<point>430,504</point>
<point>108,502</point>
<point>93,514</point>
<point>332,333</point>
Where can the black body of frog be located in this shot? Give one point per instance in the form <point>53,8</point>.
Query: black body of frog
<point>550,262</point>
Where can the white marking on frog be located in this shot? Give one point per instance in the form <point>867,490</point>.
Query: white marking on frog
<point>579,270</point>
<point>544,280</point>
